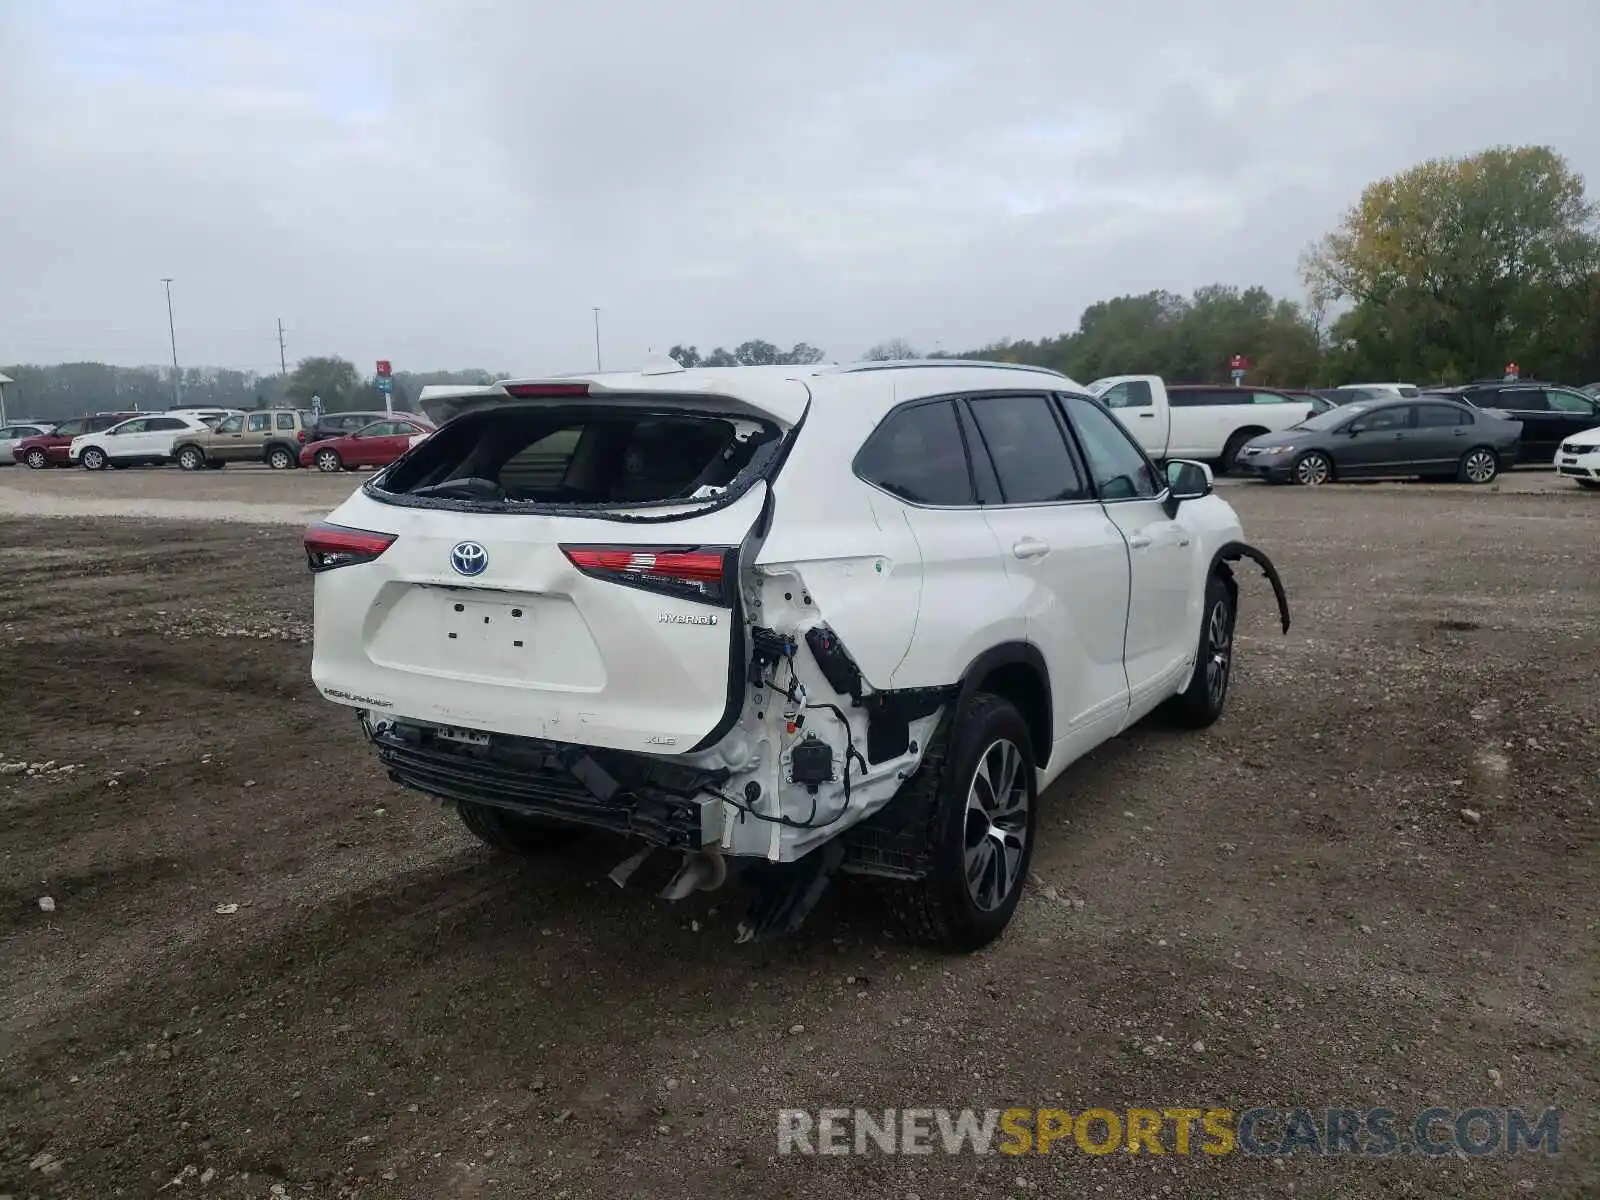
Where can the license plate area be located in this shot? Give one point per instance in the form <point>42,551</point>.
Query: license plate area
<point>494,625</point>
<point>467,737</point>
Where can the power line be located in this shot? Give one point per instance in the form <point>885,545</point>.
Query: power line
<point>283,360</point>
<point>172,332</point>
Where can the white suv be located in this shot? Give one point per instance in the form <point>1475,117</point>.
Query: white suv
<point>794,619</point>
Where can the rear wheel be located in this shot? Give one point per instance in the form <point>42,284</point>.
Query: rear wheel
<point>1478,465</point>
<point>279,458</point>
<point>513,833</point>
<point>982,798</point>
<point>329,460</point>
<point>37,460</point>
<point>1230,452</point>
<point>190,458</point>
<point>93,459</point>
<point>1313,469</point>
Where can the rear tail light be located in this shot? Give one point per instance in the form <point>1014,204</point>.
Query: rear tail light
<point>530,391</point>
<point>692,573</point>
<point>301,436</point>
<point>329,546</point>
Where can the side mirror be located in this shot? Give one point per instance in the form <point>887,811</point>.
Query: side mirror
<point>1352,430</point>
<point>1188,480</point>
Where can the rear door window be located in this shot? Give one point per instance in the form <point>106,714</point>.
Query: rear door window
<point>284,421</point>
<point>260,422</point>
<point>1028,449</point>
<point>1438,416</point>
<point>918,455</point>
<point>1571,402</point>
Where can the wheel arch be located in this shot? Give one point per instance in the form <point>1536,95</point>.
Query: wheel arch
<point>279,444</point>
<point>1016,672</point>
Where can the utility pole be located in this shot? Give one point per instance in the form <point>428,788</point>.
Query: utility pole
<point>597,366</point>
<point>283,361</point>
<point>177,394</point>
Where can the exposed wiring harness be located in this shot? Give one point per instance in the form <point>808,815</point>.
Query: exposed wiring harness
<point>795,694</point>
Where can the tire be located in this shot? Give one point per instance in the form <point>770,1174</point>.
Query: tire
<point>191,458</point>
<point>1202,702</point>
<point>93,459</point>
<point>972,826</point>
<point>279,458</point>
<point>215,464</point>
<point>1231,448</point>
<point>37,460</point>
<point>329,460</point>
<point>512,833</point>
<point>1312,469</point>
<point>1478,465</point>
<point>1587,484</point>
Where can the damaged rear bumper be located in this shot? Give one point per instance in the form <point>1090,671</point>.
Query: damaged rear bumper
<point>663,804</point>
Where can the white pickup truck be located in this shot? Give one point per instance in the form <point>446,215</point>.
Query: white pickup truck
<point>1201,421</point>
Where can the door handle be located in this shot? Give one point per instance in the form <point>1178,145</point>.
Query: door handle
<point>1461,433</point>
<point>1030,548</point>
<point>1148,416</point>
<point>1138,541</point>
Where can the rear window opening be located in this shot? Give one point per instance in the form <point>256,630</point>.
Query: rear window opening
<point>571,457</point>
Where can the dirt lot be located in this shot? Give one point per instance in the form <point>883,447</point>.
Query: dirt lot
<point>1287,910</point>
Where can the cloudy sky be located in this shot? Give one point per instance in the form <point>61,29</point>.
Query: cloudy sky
<point>448,183</point>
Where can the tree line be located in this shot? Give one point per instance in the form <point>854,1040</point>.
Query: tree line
<point>1439,274</point>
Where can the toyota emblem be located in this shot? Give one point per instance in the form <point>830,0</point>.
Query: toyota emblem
<point>468,558</point>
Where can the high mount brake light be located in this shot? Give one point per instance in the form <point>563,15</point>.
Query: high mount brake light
<point>692,573</point>
<point>532,391</point>
<point>329,546</point>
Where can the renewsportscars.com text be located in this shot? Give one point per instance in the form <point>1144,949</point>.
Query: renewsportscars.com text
<point>1266,1132</point>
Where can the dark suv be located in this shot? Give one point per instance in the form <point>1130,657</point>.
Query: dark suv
<point>340,424</point>
<point>1549,412</point>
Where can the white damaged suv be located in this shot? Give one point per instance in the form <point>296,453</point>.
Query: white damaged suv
<point>778,621</point>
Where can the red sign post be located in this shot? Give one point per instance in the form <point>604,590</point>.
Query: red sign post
<point>1513,372</point>
<point>386,385</point>
<point>1237,366</point>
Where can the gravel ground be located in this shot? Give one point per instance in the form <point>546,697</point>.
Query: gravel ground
<point>1289,909</point>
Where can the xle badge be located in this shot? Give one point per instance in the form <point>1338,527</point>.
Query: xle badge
<point>668,618</point>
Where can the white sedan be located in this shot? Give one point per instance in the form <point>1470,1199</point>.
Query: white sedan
<point>1578,459</point>
<point>141,440</point>
<point>10,435</point>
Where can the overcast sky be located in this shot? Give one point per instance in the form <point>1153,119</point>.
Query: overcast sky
<point>449,184</point>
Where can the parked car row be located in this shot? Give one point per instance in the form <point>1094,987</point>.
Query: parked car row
<point>209,439</point>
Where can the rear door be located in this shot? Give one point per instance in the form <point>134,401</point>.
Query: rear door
<point>1376,443</point>
<point>1439,437</point>
<point>1068,563</point>
<point>1162,632</point>
<point>1571,412</point>
<point>257,429</point>
<point>557,570</point>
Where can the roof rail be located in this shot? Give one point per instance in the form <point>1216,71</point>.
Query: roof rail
<point>903,364</point>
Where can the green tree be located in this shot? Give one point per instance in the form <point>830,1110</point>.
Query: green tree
<point>1459,264</point>
<point>334,379</point>
<point>686,356</point>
